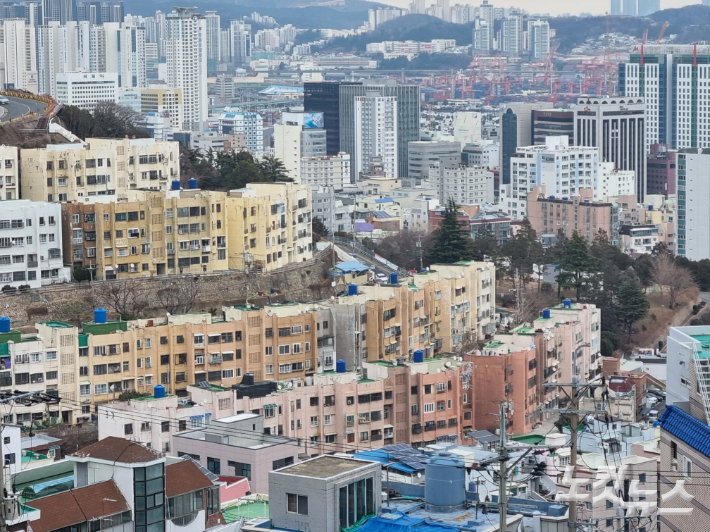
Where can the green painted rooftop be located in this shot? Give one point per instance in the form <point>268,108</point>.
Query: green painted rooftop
<point>249,510</point>
<point>57,324</point>
<point>704,340</point>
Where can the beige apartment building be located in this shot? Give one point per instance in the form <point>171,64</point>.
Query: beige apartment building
<point>9,173</point>
<point>270,225</point>
<point>414,403</point>
<point>164,102</point>
<point>155,233</point>
<point>98,167</point>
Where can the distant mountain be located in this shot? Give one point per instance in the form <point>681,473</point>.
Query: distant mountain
<point>301,13</point>
<point>409,27</point>
<point>689,24</point>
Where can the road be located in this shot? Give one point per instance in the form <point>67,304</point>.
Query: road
<point>19,106</point>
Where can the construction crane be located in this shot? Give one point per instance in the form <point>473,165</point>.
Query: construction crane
<point>663,30</point>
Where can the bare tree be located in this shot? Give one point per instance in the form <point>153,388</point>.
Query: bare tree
<point>671,278</point>
<point>468,344</point>
<point>177,296</point>
<point>124,297</point>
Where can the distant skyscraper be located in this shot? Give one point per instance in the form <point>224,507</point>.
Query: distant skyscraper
<point>18,56</point>
<point>616,7</point>
<point>58,11</point>
<point>186,58</point>
<point>375,133</point>
<point>647,7</point>
<point>539,34</point>
<point>213,35</point>
<point>324,97</point>
<point>408,113</point>
<point>630,8</point>
<point>618,129</point>
<point>239,42</point>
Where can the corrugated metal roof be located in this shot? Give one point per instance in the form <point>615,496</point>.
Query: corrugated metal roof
<point>688,429</point>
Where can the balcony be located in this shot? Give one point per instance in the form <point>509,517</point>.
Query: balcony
<point>206,249</point>
<point>416,429</point>
<point>32,264</point>
<point>199,361</point>
<point>215,360</point>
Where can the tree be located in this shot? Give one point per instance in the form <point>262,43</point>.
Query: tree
<point>632,305</point>
<point>107,120</point>
<point>406,249</point>
<point>450,242</point>
<point>320,231</point>
<point>76,311</point>
<point>522,251</point>
<point>273,169</point>
<point>177,296</point>
<point>577,265</point>
<point>81,274</point>
<point>124,297</point>
<point>668,275</point>
<point>485,244</point>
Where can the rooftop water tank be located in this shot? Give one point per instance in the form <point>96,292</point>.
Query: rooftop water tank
<point>4,324</point>
<point>100,315</point>
<point>546,314</point>
<point>564,198</point>
<point>248,378</point>
<point>393,278</point>
<point>159,391</point>
<point>552,197</point>
<point>445,486</point>
<point>352,289</point>
<point>650,207</point>
<point>192,183</point>
<point>586,200</point>
<point>567,303</point>
<point>418,355</point>
<point>175,185</point>
<point>340,366</point>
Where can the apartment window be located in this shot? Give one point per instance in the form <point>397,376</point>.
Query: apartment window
<point>241,469</point>
<point>428,408</point>
<point>687,467</point>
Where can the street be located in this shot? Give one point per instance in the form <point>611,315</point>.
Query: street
<point>20,106</point>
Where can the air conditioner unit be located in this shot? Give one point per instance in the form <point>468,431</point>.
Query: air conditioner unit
<point>86,400</point>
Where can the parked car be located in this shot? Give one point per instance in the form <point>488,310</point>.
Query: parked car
<point>4,101</point>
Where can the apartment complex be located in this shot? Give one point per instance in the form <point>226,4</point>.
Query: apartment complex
<point>30,244</point>
<point>414,403</point>
<point>98,167</point>
<point>156,233</point>
<point>10,176</point>
<point>327,171</point>
<point>468,185</point>
<point>693,211</point>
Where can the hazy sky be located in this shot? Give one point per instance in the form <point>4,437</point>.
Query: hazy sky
<point>554,7</point>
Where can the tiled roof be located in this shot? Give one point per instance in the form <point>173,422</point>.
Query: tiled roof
<point>115,449</point>
<point>686,428</point>
<point>184,477</point>
<point>79,505</point>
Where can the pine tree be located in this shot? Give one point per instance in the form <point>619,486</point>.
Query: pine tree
<point>632,304</point>
<point>577,264</point>
<point>450,242</point>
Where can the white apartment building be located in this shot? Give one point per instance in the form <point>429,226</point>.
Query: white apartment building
<point>328,171</point>
<point>84,90</point>
<point>251,125</point>
<point>694,203</point>
<point>51,56</point>
<point>467,185</point>
<point>239,42</point>
<point>31,244</point>
<point>562,168</point>
<point>9,173</point>
<point>131,56</point>
<point>539,35</point>
<point>186,58</point>
<point>615,182</point>
<point>213,22</point>
<point>18,55</point>
<point>376,133</point>
<point>296,137</point>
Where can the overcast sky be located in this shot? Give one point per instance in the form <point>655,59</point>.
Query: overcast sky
<point>554,7</point>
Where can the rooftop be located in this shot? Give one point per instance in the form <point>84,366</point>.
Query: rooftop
<point>78,506</point>
<point>115,449</point>
<point>704,340</point>
<point>686,428</point>
<point>324,467</point>
<point>184,477</point>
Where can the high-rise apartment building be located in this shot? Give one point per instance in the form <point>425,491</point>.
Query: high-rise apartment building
<point>422,154</point>
<point>213,21</point>
<point>18,55</point>
<point>670,78</point>
<point>239,42</point>
<point>131,55</point>
<point>693,204</point>
<point>299,136</point>
<point>617,126</point>
<point>375,133</point>
<point>408,113</point>
<point>516,130</point>
<point>249,124</point>
<point>466,185</point>
<point>539,35</point>
<point>186,57</point>
<point>58,11</point>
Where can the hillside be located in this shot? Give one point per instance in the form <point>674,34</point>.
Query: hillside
<point>300,13</point>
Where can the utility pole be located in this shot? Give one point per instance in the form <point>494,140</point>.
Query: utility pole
<point>503,473</point>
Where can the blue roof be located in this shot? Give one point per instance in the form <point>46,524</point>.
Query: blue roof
<point>364,227</point>
<point>351,266</point>
<point>686,428</point>
<point>385,458</point>
<point>399,522</point>
<point>384,200</point>
<point>381,214</point>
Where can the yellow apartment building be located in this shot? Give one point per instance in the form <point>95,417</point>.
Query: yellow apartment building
<point>156,233</point>
<point>164,102</point>
<point>98,167</point>
<point>9,172</point>
<point>269,225</point>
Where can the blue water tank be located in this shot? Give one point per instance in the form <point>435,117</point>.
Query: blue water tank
<point>564,198</point>
<point>546,314</point>
<point>552,197</point>
<point>340,366</point>
<point>586,200</point>
<point>100,315</point>
<point>352,289</point>
<point>4,324</point>
<point>445,486</point>
<point>393,278</point>
<point>650,207</point>
<point>159,391</point>
<point>567,303</point>
<point>175,185</point>
<point>192,183</point>
<point>418,355</point>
